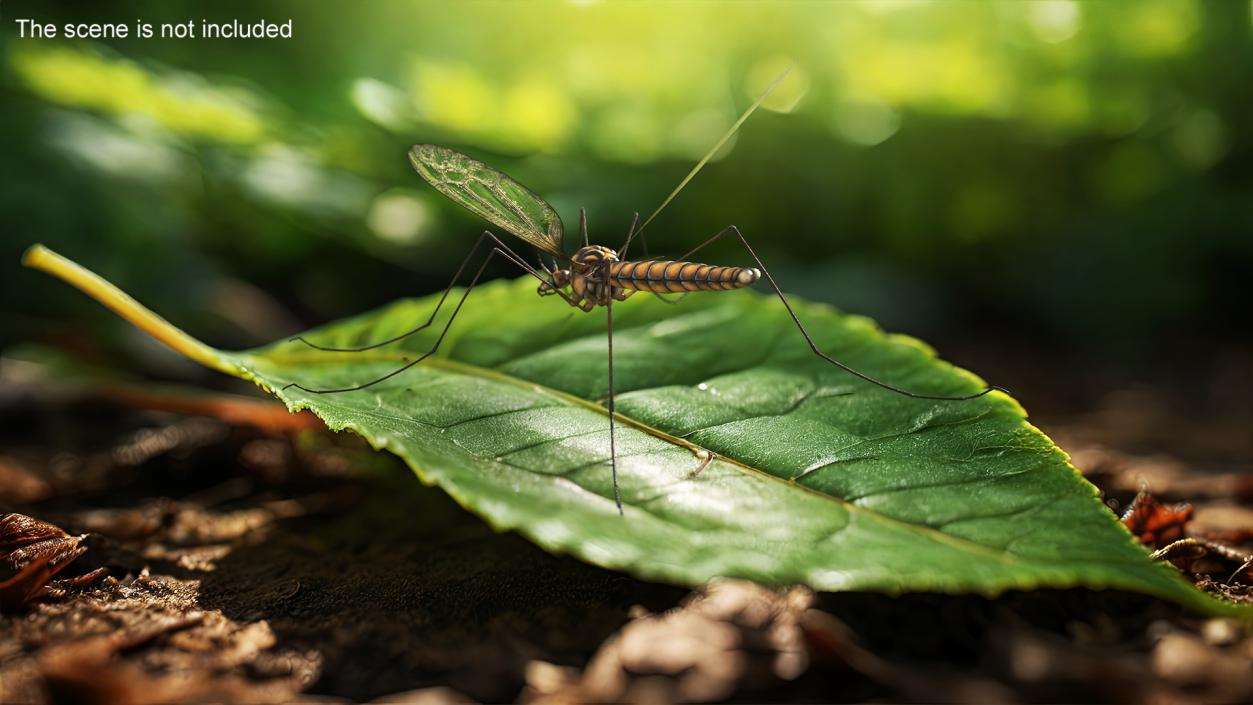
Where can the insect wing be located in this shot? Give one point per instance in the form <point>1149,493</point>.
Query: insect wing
<point>491,194</point>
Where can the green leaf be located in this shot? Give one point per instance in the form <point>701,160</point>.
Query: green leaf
<point>817,478</point>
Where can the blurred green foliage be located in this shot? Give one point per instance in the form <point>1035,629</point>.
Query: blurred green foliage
<point>1073,172</point>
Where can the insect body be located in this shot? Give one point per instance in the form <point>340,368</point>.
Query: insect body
<point>594,275</point>
<point>665,276</point>
<point>597,275</point>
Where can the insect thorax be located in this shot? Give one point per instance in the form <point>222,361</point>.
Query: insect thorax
<point>588,258</point>
<point>586,279</point>
<point>586,264</point>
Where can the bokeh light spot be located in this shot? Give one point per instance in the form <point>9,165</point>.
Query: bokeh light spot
<point>866,123</point>
<point>1157,27</point>
<point>399,216</point>
<point>380,103</point>
<point>1054,20</point>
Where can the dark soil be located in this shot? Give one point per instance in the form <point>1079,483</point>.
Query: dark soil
<point>254,557</point>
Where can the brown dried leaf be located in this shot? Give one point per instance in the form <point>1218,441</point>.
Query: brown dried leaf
<point>230,408</point>
<point>31,553</point>
<point>1154,523</point>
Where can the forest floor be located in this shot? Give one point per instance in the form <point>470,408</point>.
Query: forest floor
<point>253,556</point>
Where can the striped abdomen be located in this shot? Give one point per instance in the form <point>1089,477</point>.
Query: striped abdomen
<point>665,277</point>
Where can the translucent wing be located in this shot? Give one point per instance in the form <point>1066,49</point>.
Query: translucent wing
<point>504,202</point>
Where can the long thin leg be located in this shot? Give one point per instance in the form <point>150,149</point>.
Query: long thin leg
<point>613,450</point>
<point>440,339</point>
<point>808,339</point>
<point>420,328</point>
<point>512,256</point>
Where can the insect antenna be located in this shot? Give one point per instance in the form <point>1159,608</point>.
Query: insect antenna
<point>583,225</point>
<point>710,155</point>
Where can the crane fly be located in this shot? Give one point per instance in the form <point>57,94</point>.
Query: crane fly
<point>594,275</point>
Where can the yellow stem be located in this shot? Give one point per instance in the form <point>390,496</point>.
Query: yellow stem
<point>40,257</point>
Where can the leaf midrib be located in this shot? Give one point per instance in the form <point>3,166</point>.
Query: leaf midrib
<point>496,375</point>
